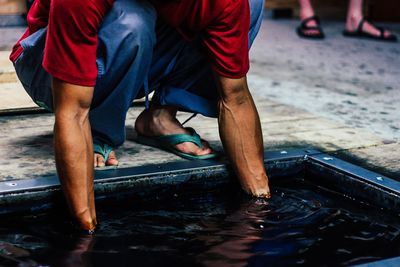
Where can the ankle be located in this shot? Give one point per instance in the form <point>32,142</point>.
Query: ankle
<point>162,112</point>
<point>353,20</point>
<point>307,13</point>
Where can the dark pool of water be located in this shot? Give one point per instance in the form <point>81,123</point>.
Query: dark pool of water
<point>300,225</point>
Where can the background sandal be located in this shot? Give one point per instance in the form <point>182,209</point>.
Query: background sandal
<point>359,33</point>
<point>303,29</point>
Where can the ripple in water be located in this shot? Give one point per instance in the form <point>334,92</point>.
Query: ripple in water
<point>300,225</point>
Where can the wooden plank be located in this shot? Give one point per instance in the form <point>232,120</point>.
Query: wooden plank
<point>383,10</point>
<point>281,4</point>
<point>12,7</point>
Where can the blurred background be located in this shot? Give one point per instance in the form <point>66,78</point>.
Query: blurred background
<point>376,10</point>
<point>12,12</point>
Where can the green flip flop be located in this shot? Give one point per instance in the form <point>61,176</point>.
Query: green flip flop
<point>168,143</point>
<point>104,150</point>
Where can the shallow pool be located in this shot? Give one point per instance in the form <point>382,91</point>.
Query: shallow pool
<point>301,225</point>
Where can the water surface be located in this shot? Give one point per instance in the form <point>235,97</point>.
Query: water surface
<point>302,225</point>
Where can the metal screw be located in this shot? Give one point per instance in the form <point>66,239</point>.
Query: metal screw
<point>283,152</point>
<point>11,184</point>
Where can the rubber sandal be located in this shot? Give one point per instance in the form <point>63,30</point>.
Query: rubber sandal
<point>301,30</point>
<point>104,150</point>
<point>359,33</point>
<point>168,143</point>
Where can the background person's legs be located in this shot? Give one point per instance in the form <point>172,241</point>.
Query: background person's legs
<point>311,26</point>
<point>355,16</point>
<point>306,9</point>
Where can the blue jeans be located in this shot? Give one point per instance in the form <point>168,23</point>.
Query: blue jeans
<point>140,52</point>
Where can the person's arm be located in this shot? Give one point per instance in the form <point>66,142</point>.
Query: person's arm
<point>74,149</point>
<point>241,135</point>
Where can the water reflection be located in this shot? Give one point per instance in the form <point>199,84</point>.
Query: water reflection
<point>298,226</point>
<point>234,241</point>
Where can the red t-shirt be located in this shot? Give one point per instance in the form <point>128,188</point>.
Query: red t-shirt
<point>223,27</point>
<point>72,37</point>
<point>70,53</point>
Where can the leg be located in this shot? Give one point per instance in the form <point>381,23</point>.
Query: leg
<point>123,59</point>
<point>73,149</point>
<point>306,9</point>
<point>69,56</point>
<point>160,119</point>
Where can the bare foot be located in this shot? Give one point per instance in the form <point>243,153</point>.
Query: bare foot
<point>160,120</point>
<point>111,161</point>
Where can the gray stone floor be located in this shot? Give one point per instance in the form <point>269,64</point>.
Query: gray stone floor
<point>339,95</point>
<point>9,35</point>
<point>352,81</point>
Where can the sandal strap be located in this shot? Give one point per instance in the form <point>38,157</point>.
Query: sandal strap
<point>381,31</point>
<point>361,25</point>
<point>104,150</point>
<point>175,139</point>
<point>312,18</point>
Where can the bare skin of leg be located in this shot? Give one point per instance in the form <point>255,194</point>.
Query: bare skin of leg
<point>161,120</point>
<point>306,11</point>
<point>355,15</point>
<point>241,135</point>
<point>74,150</point>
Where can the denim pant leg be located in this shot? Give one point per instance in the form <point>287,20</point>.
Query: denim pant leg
<point>35,80</point>
<point>188,81</point>
<point>126,42</point>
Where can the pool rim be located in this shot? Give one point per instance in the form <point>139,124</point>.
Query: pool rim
<point>38,194</point>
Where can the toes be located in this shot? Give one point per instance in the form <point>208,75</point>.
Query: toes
<point>112,159</point>
<point>98,160</point>
<point>387,34</point>
<point>312,32</point>
<point>192,149</point>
